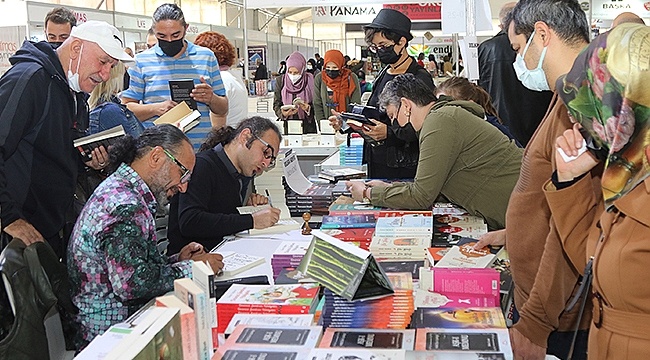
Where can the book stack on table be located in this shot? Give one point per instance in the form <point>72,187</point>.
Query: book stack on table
<point>390,312</point>
<point>288,255</point>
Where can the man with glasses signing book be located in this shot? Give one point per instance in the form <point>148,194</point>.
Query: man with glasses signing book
<point>113,261</point>
<point>222,181</point>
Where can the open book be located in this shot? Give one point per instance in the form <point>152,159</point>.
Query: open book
<point>87,144</point>
<point>181,90</point>
<point>282,226</point>
<point>180,116</point>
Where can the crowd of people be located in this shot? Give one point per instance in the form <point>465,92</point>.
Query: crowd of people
<point>550,149</point>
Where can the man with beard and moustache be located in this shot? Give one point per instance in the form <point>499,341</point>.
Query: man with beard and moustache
<point>58,24</point>
<point>113,262</point>
<point>222,181</point>
<point>394,154</point>
<point>175,58</point>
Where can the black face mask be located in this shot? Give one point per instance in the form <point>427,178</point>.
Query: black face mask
<point>55,44</point>
<point>387,55</point>
<point>171,48</point>
<point>333,74</point>
<point>407,132</point>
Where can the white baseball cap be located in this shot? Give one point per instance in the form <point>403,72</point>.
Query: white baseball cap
<point>104,35</point>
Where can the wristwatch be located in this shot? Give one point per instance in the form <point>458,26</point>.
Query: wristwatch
<point>367,198</point>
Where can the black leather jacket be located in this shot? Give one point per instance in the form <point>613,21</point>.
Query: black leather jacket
<point>520,109</point>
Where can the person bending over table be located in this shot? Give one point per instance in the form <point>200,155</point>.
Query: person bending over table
<point>461,157</point>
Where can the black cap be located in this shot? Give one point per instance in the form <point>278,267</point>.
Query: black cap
<point>393,20</point>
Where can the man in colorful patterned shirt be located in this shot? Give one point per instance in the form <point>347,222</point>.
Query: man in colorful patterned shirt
<point>175,58</point>
<point>113,262</point>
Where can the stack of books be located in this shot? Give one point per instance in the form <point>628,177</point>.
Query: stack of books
<point>266,299</point>
<point>288,255</point>
<point>270,337</point>
<point>360,237</point>
<point>352,155</point>
<point>355,339</point>
<point>334,175</point>
<point>317,199</point>
<point>391,312</point>
<point>355,209</point>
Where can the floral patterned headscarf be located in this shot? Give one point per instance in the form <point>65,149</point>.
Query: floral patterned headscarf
<point>608,92</point>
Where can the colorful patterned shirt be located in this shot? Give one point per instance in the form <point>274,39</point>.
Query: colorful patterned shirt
<point>153,69</point>
<point>113,262</point>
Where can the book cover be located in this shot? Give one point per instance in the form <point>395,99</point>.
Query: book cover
<point>344,268</point>
<point>334,175</point>
<point>459,318</point>
<point>282,226</point>
<point>229,353</point>
<point>453,355</point>
<point>291,321</point>
<point>180,116</point>
<point>347,221</point>
<point>448,209</point>
<point>409,266</point>
<point>449,235</point>
<point>430,299</point>
<point>435,254</point>
<point>273,335</point>
<point>460,281</point>
<point>105,138</point>
<point>465,340</point>
<point>368,338</point>
<point>204,277</point>
<point>188,324</point>
<point>464,255</point>
<point>360,234</point>
<point>192,295</point>
<point>408,225</point>
<point>400,213</point>
<point>180,92</point>
<point>235,263</point>
<point>354,209</point>
<point>356,354</point>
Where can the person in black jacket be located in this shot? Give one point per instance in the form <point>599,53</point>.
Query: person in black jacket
<point>222,178</point>
<point>41,99</point>
<point>395,152</point>
<point>519,108</point>
<point>261,73</point>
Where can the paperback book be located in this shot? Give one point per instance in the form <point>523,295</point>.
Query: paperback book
<point>246,335</point>
<point>180,116</point>
<point>334,175</point>
<point>408,225</point>
<point>180,92</point>
<point>298,320</point>
<point>356,354</point>
<point>345,269</point>
<point>368,339</point>
<point>465,256</point>
<point>105,138</point>
<point>235,263</point>
<point>347,221</point>
<point>459,318</point>
<point>466,340</point>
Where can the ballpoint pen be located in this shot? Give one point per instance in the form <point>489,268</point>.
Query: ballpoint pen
<point>268,197</point>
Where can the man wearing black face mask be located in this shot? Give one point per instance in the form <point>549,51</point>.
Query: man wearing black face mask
<point>395,154</point>
<point>175,58</point>
<point>58,24</point>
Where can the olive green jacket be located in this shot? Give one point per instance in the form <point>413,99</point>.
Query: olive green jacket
<point>462,157</point>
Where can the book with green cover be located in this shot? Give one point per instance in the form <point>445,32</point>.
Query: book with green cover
<point>345,269</point>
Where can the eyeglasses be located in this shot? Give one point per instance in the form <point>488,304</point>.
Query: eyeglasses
<point>269,153</point>
<point>186,172</point>
<point>374,48</point>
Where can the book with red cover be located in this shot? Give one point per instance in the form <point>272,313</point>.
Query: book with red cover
<point>277,299</point>
<point>361,234</point>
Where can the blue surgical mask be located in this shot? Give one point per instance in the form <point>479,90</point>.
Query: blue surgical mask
<point>532,79</point>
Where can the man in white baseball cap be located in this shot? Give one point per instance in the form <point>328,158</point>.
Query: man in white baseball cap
<point>41,100</point>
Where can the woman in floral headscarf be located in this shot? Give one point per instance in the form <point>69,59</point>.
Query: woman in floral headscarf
<point>294,94</point>
<point>605,95</point>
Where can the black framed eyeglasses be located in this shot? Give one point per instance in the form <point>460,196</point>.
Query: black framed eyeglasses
<point>269,153</point>
<point>186,172</point>
<point>374,48</point>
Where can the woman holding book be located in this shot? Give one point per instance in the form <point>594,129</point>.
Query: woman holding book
<point>335,87</point>
<point>294,94</point>
<point>462,157</point>
<point>606,94</point>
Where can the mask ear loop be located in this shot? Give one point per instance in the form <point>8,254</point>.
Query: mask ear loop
<point>78,59</point>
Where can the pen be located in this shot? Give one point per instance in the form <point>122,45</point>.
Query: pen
<point>268,196</point>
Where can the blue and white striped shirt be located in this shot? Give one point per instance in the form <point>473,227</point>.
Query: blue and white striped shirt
<point>153,69</point>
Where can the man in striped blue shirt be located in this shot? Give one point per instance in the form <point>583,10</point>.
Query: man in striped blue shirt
<point>174,58</point>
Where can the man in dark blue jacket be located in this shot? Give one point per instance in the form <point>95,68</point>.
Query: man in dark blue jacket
<point>41,104</point>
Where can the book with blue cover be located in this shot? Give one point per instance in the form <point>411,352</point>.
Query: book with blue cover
<point>348,221</point>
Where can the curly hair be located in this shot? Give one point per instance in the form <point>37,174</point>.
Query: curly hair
<point>220,46</point>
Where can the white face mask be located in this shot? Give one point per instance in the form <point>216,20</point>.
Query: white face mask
<point>73,79</point>
<point>532,79</point>
<point>294,78</point>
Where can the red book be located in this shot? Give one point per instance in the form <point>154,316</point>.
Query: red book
<point>361,235</point>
